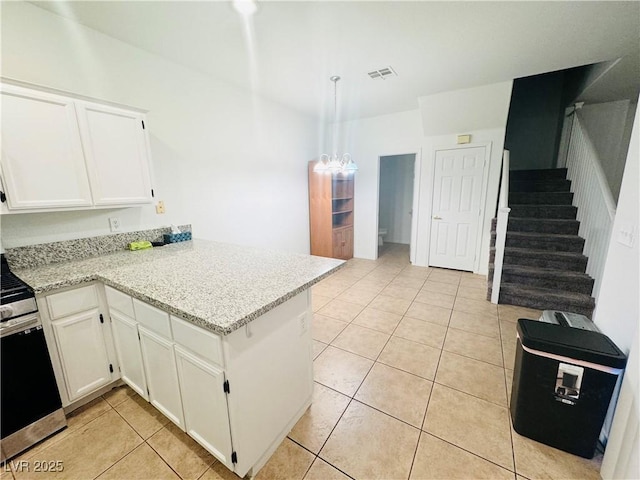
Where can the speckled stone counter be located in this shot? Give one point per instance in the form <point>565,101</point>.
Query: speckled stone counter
<point>218,286</point>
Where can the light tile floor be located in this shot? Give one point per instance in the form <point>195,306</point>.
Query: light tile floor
<point>413,371</point>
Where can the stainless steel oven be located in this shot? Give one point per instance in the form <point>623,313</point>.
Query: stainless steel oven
<point>30,404</point>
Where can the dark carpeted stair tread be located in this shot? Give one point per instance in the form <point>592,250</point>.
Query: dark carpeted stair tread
<point>543,225</point>
<point>543,264</point>
<point>546,299</point>
<point>536,277</point>
<point>546,273</point>
<point>571,261</point>
<point>554,185</point>
<point>543,173</point>
<point>543,253</point>
<point>549,212</point>
<point>540,198</point>
<point>543,241</point>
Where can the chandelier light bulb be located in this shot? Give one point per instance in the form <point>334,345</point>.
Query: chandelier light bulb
<point>334,163</point>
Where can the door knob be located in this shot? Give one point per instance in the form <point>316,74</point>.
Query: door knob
<point>437,217</point>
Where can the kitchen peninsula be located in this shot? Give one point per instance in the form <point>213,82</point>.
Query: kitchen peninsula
<point>215,336</point>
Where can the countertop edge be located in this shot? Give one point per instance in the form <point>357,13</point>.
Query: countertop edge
<point>52,287</point>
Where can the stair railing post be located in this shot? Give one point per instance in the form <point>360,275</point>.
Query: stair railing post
<point>501,228</point>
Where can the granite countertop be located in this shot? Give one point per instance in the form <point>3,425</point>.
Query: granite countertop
<point>218,286</point>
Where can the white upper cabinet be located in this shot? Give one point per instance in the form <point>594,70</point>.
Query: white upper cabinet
<point>65,153</point>
<point>115,147</point>
<point>42,161</point>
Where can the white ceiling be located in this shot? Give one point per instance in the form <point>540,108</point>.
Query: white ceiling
<point>294,47</point>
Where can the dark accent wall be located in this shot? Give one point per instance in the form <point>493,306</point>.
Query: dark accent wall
<point>534,124</point>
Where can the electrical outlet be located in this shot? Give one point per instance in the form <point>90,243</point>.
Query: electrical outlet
<point>160,207</point>
<point>114,224</point>
<point>303,324</point>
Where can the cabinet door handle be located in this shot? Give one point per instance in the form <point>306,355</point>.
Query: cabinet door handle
<point>436,217</point>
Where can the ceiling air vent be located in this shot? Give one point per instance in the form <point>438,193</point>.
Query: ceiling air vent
<point>382,73</point>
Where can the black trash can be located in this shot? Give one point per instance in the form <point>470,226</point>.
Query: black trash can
<point>563,379</point>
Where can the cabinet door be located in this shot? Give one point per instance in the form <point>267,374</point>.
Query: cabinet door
<point>338,241</point>
<point>162,376</point>
<point>347,250</point>
<point>204,401</point>
<point>125,335</point>
<point>343,243</point>
<point>42,160</point>
<point>83,353</point>
<point>115,147</point>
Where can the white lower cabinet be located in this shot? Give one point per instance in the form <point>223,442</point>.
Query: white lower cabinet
<point>79,341</point>
<point>159,361</point>
<point>238,395</point>
<point>204,402</point>
<point>83,353</point>
<point>125,336</point>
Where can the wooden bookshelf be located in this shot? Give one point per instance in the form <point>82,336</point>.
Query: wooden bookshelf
<point>331,213</point>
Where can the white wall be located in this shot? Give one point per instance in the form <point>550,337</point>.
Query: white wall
<point>481,112</point>
<point>367,140</point>
<point>617,306</point>
<point>396,197</point>
<point>232,165</point>
<point>609,126</point>
<point>621,459</point>
<point>469,109</point>
<point>617,311</point>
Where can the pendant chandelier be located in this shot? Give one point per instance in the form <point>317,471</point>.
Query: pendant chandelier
<point>335,163</point>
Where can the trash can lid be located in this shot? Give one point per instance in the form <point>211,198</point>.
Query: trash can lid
<point>589,346</point>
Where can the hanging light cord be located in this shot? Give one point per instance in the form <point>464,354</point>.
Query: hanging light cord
<point>333,162</point>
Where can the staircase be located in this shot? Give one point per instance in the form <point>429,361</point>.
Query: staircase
<point>543,265</point>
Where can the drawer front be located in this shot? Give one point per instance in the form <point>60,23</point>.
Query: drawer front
<point>119,301</point>
<point>72,301</point>
<point>153,318</point>
<point>206,344</point>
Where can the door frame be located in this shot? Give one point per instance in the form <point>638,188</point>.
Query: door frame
<point>483,194</point>
<point>414,202</point>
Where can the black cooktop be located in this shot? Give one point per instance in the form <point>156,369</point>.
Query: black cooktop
<point>12,289</point>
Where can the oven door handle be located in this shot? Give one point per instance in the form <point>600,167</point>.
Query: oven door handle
<point>20,325</point>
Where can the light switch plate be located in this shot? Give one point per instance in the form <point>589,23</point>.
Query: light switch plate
<point>626,234</point>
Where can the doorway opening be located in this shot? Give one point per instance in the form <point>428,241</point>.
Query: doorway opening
<point>395,204</point>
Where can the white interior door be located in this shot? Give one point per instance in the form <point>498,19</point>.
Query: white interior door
<point>457,208</point>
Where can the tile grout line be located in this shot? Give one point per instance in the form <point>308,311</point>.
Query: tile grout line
<point>376,360</point>
<point>435,373</point>
<point>469,451</point>
<point>352,397</point>
<point>145,441</point>
<point>458,446</point>
<point>513,448</point>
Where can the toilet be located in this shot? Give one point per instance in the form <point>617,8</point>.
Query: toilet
<point>381,233</point>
